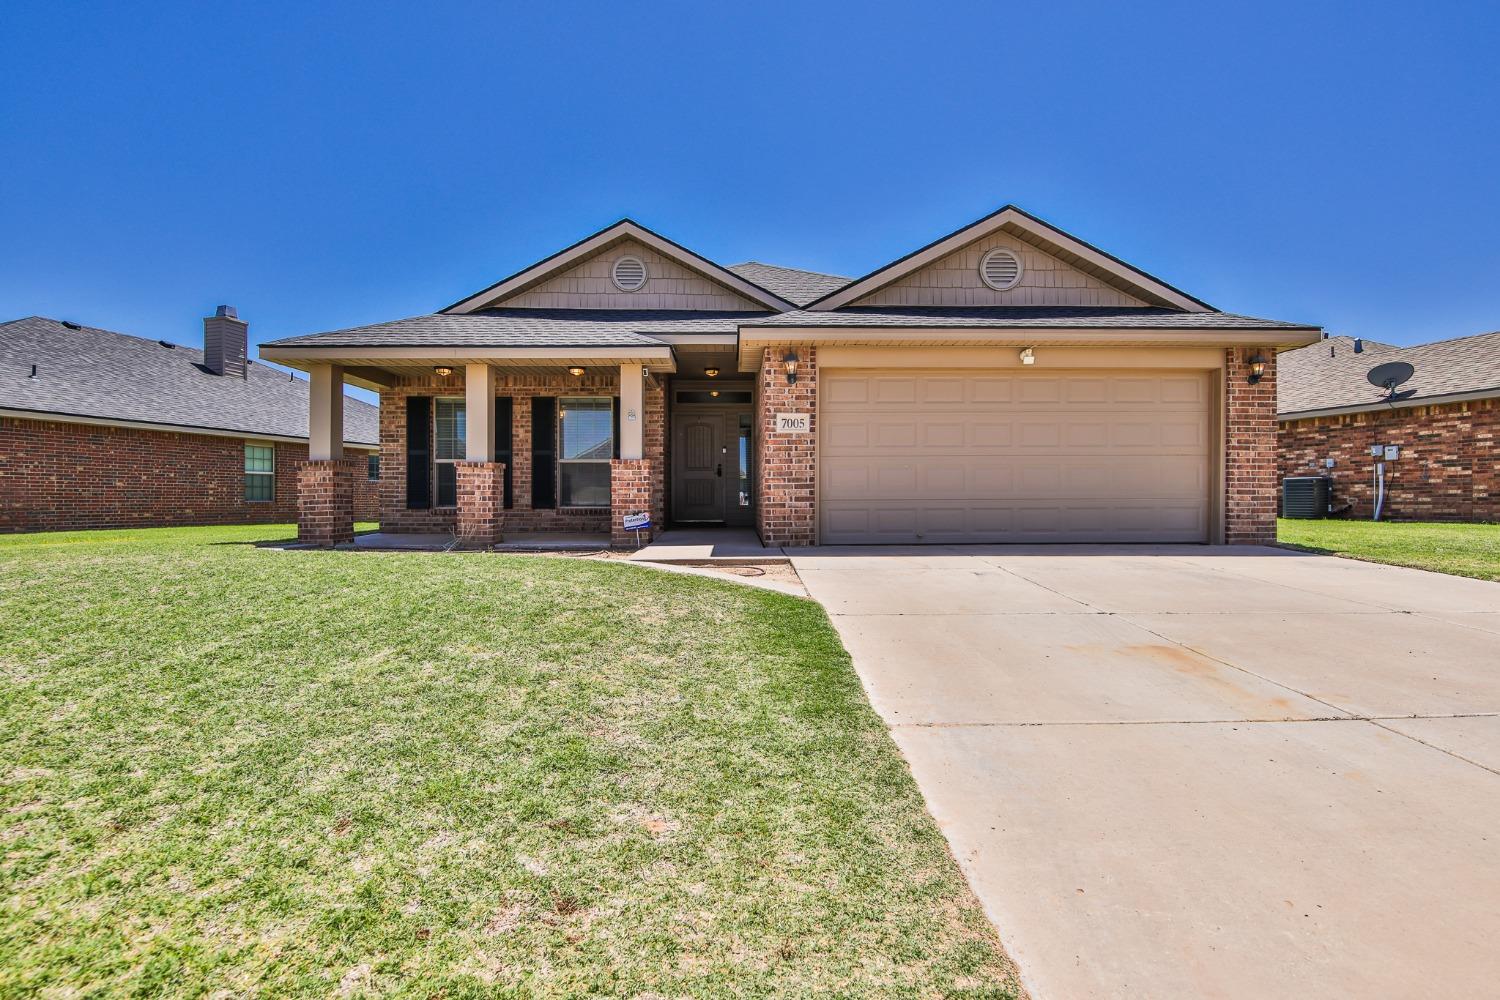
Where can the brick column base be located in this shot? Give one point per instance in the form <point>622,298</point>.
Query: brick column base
<point>481,503</point>
<point>630,492</point>
<point>325,503</point>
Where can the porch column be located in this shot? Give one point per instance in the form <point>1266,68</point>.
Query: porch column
<point>325,484</point>
<point>480,479</point>
<point>325,419</point>
<point>632,412</point>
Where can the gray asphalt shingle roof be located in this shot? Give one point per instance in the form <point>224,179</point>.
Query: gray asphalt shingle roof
<point>999,317</point>
<point>98,373</point>
<point>625,327</point>
<point>796,286</point>
<point>529,328</point>
<point>1329,375</point>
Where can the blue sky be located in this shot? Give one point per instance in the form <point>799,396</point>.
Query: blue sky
<point>321,166</point>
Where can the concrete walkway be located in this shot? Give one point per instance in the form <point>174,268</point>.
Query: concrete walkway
<point>1198,772</point>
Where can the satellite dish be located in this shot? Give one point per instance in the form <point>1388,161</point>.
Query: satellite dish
<point>1391,374</point>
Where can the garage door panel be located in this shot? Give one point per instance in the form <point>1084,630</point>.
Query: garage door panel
<point>1000,457</point>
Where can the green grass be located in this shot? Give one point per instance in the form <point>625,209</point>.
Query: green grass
<point>1460,549</point>
<point>232,770</point>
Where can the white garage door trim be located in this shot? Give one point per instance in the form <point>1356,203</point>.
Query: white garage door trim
<point>1008,455</point>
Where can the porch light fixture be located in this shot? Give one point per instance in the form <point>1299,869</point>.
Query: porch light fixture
<point>1028,356</point>
<point>443,370</point>
<point>575,370</point>
<point>790,363</point>
<point>711,372</point>
<point>1257,369</point>
<point>713,392</point>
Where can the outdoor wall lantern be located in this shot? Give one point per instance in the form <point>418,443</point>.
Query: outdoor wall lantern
<point>575,370</point>
<point>790,362</point>
<point>1028,356</point>
<point>1257,369</point>
<point>443,370</point>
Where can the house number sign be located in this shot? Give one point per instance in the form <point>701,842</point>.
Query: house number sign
<point>794,423</point>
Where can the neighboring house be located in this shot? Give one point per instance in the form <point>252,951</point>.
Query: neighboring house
<point>1006,383</point>
<point>105,430</point>
<point>1445,422</point>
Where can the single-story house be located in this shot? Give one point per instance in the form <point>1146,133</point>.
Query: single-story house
<point>105,430</point>
<point>1443,422</point>
<point>1005,383</point>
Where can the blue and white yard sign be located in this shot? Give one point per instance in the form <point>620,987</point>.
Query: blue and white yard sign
<point>636,522</point>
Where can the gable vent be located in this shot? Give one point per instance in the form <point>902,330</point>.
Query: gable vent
<point>629,274</point>
<point>1000,269</point>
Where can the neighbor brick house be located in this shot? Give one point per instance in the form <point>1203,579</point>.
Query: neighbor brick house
<point>105,430</point>
<point>1005,383</point>
<point>1444,421</point>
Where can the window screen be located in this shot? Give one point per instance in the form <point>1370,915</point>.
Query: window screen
<point>260,473</point>
<point>586,442</point>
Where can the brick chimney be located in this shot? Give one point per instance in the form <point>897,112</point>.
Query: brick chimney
<point>225,342</point>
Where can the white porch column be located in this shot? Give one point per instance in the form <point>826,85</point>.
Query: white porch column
<point>479,413</point>
<point>632,412</point>
<point>325,419</point>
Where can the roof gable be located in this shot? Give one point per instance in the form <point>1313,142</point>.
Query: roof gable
<point>579,277</point>
<point>941,272</point>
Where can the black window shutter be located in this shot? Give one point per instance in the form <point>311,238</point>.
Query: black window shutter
<point>544,452</point>
<point>504,420</point>
<point>447,484</point>
<point>418,452</point>
<point>617,427</point>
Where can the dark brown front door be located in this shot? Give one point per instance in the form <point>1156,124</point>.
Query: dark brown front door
<point>699,476</point>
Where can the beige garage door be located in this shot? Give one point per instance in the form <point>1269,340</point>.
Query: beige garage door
<point>908,456</point>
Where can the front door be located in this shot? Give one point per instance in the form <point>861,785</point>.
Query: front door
<point>698,466</point>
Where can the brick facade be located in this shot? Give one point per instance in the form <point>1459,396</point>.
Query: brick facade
<point>325,501</point>
<point>632,490</point>
<point>1449,468</point>
<point>479,519</point>
<point>522,388</point>
<point>62,476</point>
<point>786,474</point>
<point>1250,481</point>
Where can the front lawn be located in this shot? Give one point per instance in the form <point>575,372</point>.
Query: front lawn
<point>1460,549</point>
<point>232,770</point>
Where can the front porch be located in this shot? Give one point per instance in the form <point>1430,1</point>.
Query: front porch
<point>525,454</point>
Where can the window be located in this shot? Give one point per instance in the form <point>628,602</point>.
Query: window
<point>712,396</point>
<point>260,473</point>
<point>586,443</point>
<point>449,446</point>
<point>372,467</point>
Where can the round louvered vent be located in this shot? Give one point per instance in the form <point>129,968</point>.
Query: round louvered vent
<point>1000,269</point>
<point>629,274</point>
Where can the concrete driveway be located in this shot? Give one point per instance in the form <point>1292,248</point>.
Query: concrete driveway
<point>1198,772</point>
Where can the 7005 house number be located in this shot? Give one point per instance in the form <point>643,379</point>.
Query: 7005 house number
<point>793,423</point>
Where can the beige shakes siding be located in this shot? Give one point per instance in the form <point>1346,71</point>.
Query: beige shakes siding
<point>954,281</point>
<point>669,285</point>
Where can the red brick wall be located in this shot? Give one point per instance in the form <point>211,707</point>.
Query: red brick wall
<point>632,490</point>
<point>786,474</point>
<point>325,498</point>
<point>1449,469</point>
<point>1250,480</point>
<point>58,476</point>
<point>522,387</point>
